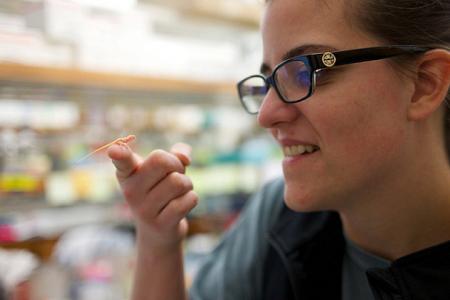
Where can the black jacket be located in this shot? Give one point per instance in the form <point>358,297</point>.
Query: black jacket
<point>304,262</point>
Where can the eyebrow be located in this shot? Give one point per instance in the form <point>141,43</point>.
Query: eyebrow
<point>301,50</point>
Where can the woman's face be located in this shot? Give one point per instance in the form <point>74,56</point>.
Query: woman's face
<point>356,116</point>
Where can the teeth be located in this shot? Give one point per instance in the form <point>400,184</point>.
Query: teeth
<point>299,149</point>
<point>288,151</point>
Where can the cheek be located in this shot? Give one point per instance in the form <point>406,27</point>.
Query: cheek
<point>362,133</point>
<point>363,128</point>
<point>370,113</point>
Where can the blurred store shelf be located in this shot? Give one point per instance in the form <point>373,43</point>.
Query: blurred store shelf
<point>78,78</point>
<point>233,12</point>
<point>77,74</point>
<point>48,222</point>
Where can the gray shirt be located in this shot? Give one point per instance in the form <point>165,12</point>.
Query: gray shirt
<point>234,269</point>
<point>355,285</point>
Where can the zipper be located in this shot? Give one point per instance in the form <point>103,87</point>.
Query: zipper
<point>274,243</point>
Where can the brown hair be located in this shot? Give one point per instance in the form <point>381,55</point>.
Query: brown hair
<point>419,22</point>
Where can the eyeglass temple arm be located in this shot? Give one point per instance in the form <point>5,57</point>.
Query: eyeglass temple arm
<point>366,54</point>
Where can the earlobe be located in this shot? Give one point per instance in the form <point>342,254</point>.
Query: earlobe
<point>432,84</point>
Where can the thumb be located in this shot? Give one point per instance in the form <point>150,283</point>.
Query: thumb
<point>124,159</point>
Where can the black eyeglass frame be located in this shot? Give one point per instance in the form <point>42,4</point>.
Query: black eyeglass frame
<point>327,60</point>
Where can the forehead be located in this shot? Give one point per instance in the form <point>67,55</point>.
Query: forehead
<point>288,24</point>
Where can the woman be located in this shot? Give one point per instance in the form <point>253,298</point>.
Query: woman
<point>364,128</point>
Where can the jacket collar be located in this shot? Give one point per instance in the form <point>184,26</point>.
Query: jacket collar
<point>311,245</point>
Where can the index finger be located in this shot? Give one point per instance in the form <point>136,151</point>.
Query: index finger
<point>124,159</point>
<point>183,152</point>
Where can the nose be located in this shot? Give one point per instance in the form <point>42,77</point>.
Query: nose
<point>274,111</point>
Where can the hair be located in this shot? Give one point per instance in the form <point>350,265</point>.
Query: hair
<point>406,22</point>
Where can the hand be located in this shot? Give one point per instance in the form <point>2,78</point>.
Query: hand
<point>160,195</point>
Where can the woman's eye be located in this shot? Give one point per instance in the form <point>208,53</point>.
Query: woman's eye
<point>303,78</point>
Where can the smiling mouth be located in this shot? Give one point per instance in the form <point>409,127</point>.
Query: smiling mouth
<point>296,150</point>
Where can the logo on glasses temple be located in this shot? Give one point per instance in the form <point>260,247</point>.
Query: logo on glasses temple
<point>328,59</point>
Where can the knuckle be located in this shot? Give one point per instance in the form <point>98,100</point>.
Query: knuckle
<point>192,199</point>
<point>180,182</point>
<point>186,203</point>
<point>178,208</point>
<point>162,159</point>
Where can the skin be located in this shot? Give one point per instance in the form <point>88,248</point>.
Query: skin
<point>379,134</point>
<point>381,163</point>
<point>160,195</point>
<point>122,140</point>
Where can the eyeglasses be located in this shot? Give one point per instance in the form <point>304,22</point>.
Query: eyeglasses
<point>295,79</point>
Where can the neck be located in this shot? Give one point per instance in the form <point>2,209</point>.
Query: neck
<point>415,213</point>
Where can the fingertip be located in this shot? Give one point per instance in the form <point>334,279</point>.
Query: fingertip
<point>130,138</point>
<point>183,152</point>
<point>125,161</point>
<point>119,152</point>
<point>185,160</point>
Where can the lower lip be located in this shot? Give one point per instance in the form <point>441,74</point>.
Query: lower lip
<point>289,161</point>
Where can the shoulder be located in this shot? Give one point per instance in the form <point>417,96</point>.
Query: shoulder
<point>238,256</point>
<point>269,191</point>
<point>261,212</point>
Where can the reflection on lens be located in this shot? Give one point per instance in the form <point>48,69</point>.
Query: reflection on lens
<point>253,103</point>
<point>293,80</point>
<point>252,91</point>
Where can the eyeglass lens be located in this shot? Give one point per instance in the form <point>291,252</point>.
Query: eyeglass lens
<point>293,81</point>
<point>253,90</point>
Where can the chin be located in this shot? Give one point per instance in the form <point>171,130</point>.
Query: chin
<point>299,199</point>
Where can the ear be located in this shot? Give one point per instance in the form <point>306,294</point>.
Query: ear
<point>432,84</point>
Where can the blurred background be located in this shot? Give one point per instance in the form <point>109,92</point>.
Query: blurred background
<point>77,74</point>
